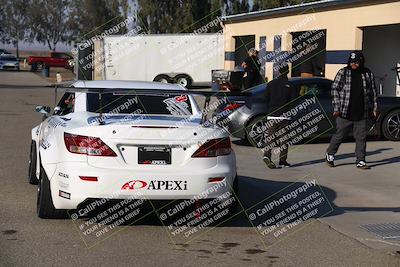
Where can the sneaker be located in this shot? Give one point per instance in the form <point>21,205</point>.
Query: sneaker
<point>330,160</point>
<point>362,165</point>
<point>269,163</point>
<point>284,164</point>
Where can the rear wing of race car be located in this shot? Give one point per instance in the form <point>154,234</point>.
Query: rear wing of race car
<point>129,91</point>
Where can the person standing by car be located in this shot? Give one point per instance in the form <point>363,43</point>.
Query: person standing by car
<point>251,67</point>
<point>278,96</point>
<point>354,100</point>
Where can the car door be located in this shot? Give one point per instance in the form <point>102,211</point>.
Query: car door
<point>321,89</point>
<point>56,60</point>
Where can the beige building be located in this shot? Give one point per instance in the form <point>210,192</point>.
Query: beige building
<point>324,33</point>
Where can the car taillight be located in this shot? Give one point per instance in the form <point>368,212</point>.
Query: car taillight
<point>87,145</point>
<point>214,148</point>
<point>232,106</point>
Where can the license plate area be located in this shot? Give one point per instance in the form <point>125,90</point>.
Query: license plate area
<point>155,155</point>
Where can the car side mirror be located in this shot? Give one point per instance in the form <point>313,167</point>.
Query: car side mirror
<point>43,109</point>
<point>57,110</point>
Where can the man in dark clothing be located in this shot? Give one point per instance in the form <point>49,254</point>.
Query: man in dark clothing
<point>252,67</point>
<point>278,95</point>
<point>354,100</point>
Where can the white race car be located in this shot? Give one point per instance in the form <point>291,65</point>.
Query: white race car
<point>112,139</point>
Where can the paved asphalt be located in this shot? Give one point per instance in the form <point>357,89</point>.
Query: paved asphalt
<point>354,198</point>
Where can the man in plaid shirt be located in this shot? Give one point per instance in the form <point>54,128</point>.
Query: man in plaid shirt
<point>354,100</point>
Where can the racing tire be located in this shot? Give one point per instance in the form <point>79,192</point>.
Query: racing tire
<point>183,80</point>
<point>162,78</point>
<point>254,124</point>
<point>32,179</point>
<point>391,126</point>
<point>45,207</point>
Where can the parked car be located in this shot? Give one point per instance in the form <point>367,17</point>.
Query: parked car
<point>55,59</point>
<point>95,147</point>
<point>249,114</point>
<point>4,52</point>
<point>9,62</point>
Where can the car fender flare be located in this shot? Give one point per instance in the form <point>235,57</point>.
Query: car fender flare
<point>49,168</point>
<point>35,138</point>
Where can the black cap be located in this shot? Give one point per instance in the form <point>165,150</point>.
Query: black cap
<point>356,56</point>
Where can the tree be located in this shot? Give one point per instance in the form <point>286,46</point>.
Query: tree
<point>14,22</point>
<point>158,16</point>
<point>93,17</point>
<point>266,4</point>
<point>237,6</point>
<point>49,21</point>
<point>176,16</point>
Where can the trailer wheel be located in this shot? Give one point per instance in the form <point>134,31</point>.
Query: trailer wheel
<point>183,80</point>
<point>162,78</point>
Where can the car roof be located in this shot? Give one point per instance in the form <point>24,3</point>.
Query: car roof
<point>111,84</point>
<point>308,79</point>
<point>8,55</point>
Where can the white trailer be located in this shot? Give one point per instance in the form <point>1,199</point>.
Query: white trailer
<point>175,58</point>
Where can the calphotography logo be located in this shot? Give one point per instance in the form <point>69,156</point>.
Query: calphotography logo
<point>155,185</point>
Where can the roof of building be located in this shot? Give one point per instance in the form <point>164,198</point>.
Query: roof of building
<point>296,9</point>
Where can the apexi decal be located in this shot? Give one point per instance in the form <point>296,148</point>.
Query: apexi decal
<point>155,185</point>
<point>155,162</point>
<point>53,122</point>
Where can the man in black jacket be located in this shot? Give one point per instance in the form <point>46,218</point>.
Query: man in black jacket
<point>278,95</point>
<point>252,67</point>
<point>354,100</point>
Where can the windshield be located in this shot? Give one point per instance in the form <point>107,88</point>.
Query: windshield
<point>140,104</point>
<point>8,58</point>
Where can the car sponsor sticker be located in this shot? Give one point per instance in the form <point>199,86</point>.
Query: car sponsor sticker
<point>53,122</point>
<point>181,98</point>
<point>155,185</point>
<point>177,105</point>
<point>64,175</point>
<point>44,144</point>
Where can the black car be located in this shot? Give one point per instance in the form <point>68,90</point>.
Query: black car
<point>246,117</point>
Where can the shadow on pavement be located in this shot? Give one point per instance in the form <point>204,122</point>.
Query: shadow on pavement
<point>351,155</point>
<point>256,194</point>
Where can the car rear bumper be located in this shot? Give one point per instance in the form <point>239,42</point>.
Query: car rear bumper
<point>69,190</point>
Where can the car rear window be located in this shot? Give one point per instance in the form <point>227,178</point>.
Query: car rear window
<point>140,104</point>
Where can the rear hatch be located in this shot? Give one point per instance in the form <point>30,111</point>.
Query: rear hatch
<point>143,130</point>
<point>156,142</point>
